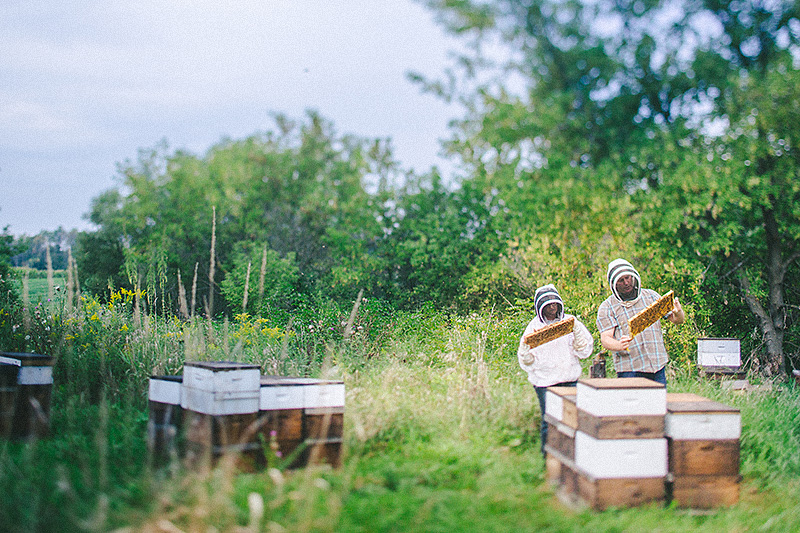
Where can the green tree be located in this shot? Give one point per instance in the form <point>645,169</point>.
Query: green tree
<point>617,94</point>
<point>734,202</point>
<point>302,189</point>
<point>11,332</point>
<point>270,280</point>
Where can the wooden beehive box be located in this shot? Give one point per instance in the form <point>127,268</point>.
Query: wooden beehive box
<point>323,421</point>
<point>26,384</point>
<point>621,458</point>
<point>221,387</point>
<point>220,402</point>
<point>165,418</point>
<point>560,405</point>
<point>561,417</point>
<point>621,397</point>
<point>303,415</point>
<point>578,486</point>
<point>619,453</point>
<point>704,458</point>
<point>560,439</point>
<point>719,355</point>
<point>702,419</point>
<point>622,408</point>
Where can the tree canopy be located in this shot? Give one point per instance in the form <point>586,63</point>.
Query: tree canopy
<point>659,131</point>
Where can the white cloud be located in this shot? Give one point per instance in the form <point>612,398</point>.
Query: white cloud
<point>88,83</point>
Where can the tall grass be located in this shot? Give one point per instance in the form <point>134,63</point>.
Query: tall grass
<point>440,430</point>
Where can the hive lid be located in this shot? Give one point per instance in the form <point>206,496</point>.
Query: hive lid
<point>176,379</point>
<point>292,381</point>
<point>685,397</point>
<point>703,406</point>
<point>620,383</point>
<point>221,366</point>
<point>563,391</point>
<point>25,359</point>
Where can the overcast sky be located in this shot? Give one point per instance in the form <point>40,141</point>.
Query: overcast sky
<point>84,84</point>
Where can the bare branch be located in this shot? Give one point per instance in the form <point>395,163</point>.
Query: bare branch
<point>734,269</point>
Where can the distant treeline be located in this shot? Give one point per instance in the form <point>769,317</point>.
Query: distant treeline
<point>665,145</point>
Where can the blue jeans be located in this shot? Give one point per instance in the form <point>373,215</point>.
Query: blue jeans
<point>541,392</point>
<point>659,376</point>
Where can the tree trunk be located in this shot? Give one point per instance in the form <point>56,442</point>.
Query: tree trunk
<point>773,337</point>
<point>772,318</point>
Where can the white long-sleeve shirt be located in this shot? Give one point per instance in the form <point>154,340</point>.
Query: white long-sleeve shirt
<point>556,361</point>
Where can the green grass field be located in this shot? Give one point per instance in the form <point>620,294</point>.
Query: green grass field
<point>441,434</point>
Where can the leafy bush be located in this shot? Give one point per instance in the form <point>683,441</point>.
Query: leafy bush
<point>271,283</point>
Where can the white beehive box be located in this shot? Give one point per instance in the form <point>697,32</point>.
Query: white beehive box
<point>621,397</point>
<point>220,388</point>
<point>280,393</point>
<point>702,420</point>
<point>165,389</point>
<point>560,404</point>
<point>719,354</point>
<point>34,369</point>
<point>620,458</point>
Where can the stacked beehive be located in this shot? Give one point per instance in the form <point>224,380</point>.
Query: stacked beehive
<point>303,417</point>
<point>609,449</point>
<point>220,402</point>
<point>166,417</point>
<point>561,417</point>
<point>26,384</point>
<point>225,407</point>
<point>703,438</point>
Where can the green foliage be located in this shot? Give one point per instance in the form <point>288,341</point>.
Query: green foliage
<point>11,334</point>
<point>302,190</point>
<point>441,432</point>
<point>272,280</point>
<point>435,240</point>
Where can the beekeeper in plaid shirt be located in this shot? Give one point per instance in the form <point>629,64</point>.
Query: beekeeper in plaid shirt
<point>644,355</point>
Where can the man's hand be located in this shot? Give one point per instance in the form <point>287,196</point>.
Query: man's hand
<point>608,341</point>
<point>677,316</point>
<point>624,342</point>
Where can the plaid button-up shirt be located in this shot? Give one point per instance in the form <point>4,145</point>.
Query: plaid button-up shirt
<point>646,352</point>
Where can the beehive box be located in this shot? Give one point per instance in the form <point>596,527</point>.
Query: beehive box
<point>220,402</point>
<point>620,458</point>
<point>621,397</point>
<point>578,486</point>
<point>165,418</point>
<point>561,417</point>
<point>560,439</point>
<point>26,384</point>
<point>621,409</point>
<point>719,355</point>
<point>612,453</point>
<point>221,388</point>
<point>560,405</point>
<point>323,422</point>
<point>303,416</point>
<point>704,452</point>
